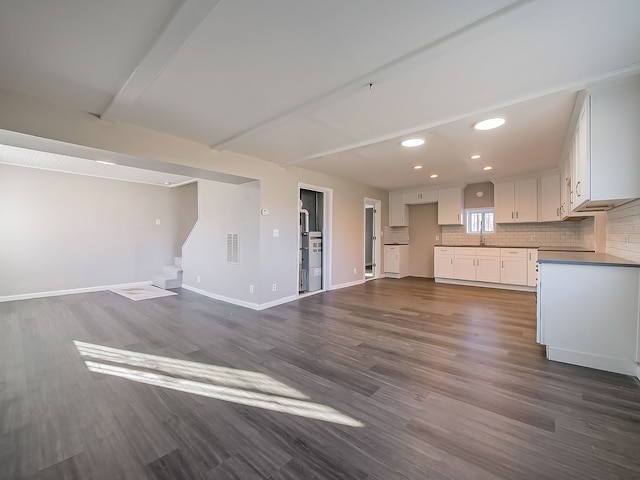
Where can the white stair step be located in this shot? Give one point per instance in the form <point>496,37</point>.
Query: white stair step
<point>172,270</point>
<point>165,282</point>
<point>177,261</point>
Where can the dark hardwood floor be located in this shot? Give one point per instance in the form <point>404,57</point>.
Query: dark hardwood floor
<point>393,379</point>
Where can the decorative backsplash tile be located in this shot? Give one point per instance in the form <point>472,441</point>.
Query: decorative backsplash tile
<point>560,234</point>
<point>395,235</point>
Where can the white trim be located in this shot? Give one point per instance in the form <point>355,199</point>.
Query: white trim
<point>215,296</point>
<point>470,283</point>
<point>241,303</point>
<point>377,244</point>
<point>280,301</point>
<point>72,291</point>
<point>599,362</point>
<point>327,251</point>
<point>638,372</point>
<point>348,284</point>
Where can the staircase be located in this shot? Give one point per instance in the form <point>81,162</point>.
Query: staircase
<point>171,277</point>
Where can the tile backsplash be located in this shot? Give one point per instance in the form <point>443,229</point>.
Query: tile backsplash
<point>557,234</point>
<point>623,231</point>
<point>396,235</point>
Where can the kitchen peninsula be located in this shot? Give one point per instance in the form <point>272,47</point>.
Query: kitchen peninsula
<point>588,310</point>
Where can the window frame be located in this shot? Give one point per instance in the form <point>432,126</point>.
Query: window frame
<point>483,211</point>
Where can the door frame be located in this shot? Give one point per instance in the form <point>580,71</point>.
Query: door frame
<point>327,214</point>
<point>377,242</point>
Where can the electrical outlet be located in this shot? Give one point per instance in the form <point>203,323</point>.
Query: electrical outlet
<point>250,288</point>
<point>273,287</point>
<point>437,237</point>
<point>198,279</point>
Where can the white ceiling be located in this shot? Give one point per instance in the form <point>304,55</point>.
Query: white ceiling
<point>333,85</point>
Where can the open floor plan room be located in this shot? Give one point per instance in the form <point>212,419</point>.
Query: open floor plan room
<point>391,379</point>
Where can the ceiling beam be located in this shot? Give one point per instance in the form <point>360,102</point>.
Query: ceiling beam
<point>185,20</point>
<point>348,88</point>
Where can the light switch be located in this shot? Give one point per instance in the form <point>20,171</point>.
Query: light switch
<point>276,232</point>
<point>157,221</point>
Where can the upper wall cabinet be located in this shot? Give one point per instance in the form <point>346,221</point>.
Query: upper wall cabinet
<point>398,210</point>
<point>606,147</point>
<point>549,202</point>
<point>516,202</point>
<point>419,198</point>
<point>450,206</point>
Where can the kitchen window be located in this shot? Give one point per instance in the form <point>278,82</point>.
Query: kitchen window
<point>480,221</point>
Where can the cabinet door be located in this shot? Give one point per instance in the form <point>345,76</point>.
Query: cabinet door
<point>513,262</point>
<point>565,189</point>
<point>398,211</point>
<point>465,267</point>
<point>391,260</point>
<point>549,202</point>
<point>443,266</point>
<point>488,269</point>
<point>526,200</point>
<point>503,201</point>
<point>450,206</point>
<point>581,162</point>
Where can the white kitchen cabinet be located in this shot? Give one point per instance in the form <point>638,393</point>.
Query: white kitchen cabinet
<point>606,170</point>
<point>396,261</point>
<point>488,265</point>
<point>588,315</point>
<point>477,264</point>
<point>450,206</point>
<point>565,189</point>
<point>443,262</point>
<point>514,266</point>
<point>532,267</point>
<point>516,202</point>
<point>465,263</point>
<point>398,210</point>
<point>549,202</point>
<point>420,198</point>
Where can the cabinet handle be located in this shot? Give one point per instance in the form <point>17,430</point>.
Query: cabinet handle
<point>577,189</point>
<point>512,215</point>
<point>558,212</point>
<point>516,215</point>
<point>458,217</point>
<point>502,263</point>
<point>451,260</point>
<point>529,256</point>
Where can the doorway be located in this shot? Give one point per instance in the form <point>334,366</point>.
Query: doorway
<point>314,248</point>
<point>371,238</point>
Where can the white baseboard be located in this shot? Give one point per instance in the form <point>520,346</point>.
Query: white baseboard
<point>470,283</point>
<point>609,364</point>
<point>72,291</point>
<point>347,285</point>
<point>241,303</point>
<point>215,296</point>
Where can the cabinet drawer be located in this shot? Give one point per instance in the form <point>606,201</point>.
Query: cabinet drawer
<point>488,252</point>
<point>465,251</point>
<point>444,250</point>
<point>392,249</point>
<point>513,252</point>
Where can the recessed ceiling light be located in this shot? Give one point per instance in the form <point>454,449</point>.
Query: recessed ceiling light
<point>487,168</point>
<point>474,156</point>
<point>104,162</point>
<point>417,167</point>
<point>433,175</point>
<point>412,142</point>
<point>489,123</point>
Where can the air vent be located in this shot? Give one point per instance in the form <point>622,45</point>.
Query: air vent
<point>232,248</point>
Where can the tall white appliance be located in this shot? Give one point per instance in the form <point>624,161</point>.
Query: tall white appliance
<point>311,271</point>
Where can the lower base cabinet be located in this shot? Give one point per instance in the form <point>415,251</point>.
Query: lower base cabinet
<point>443,262</point>
<point>588,315</point>
<point>396,261</point>
<point>506,266</point>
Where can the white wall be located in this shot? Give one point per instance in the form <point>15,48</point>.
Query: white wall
<point>61,231</point>
<point>224,209</point>
<point>26,122</point>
